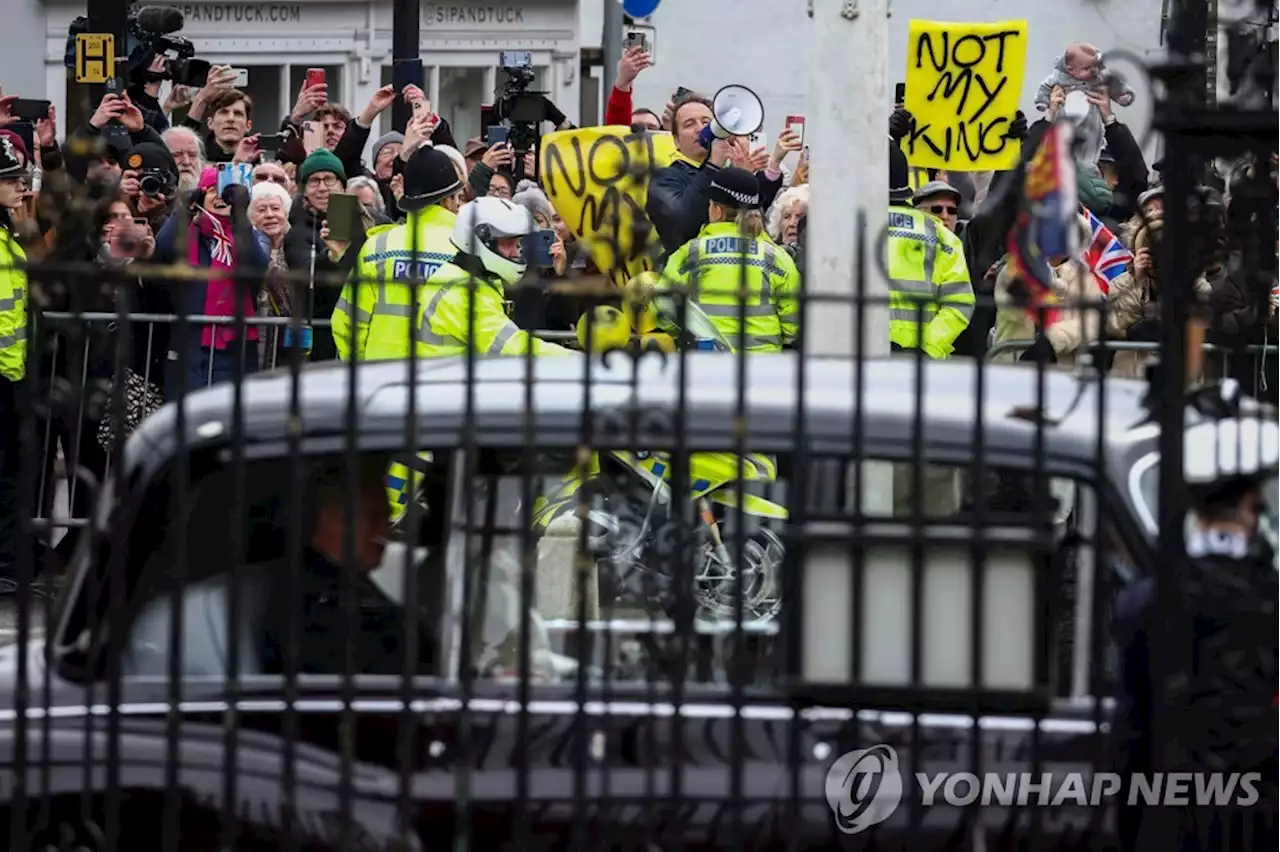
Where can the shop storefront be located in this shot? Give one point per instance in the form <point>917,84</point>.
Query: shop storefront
<point>278,41</point>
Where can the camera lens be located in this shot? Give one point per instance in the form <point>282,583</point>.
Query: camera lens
<point>151,185</point>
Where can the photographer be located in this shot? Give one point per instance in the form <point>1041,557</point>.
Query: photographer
<point>150,182</point>
<point>118,125</point>
<point>146,95</point>
<point>221,114</point>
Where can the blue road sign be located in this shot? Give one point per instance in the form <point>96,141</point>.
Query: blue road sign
<point>640,8</point>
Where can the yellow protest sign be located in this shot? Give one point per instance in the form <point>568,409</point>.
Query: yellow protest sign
<point>597,178</point>
<point>95,57</point>
<point>964,82</point>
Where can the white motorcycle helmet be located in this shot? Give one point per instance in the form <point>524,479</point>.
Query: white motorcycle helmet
<point>481,223</point>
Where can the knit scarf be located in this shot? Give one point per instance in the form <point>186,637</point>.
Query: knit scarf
<point>219,294</point>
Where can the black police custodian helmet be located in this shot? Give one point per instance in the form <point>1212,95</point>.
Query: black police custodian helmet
<point>428,177</point>
<point>734,187</point>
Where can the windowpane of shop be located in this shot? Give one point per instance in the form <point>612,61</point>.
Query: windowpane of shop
<point>332,76</point>
<point>269,103</point>
<point>461,94</point>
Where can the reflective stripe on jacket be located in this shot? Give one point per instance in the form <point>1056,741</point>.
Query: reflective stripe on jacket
<point>930,295</point>
<point>13,308</point>
<point>445,324</point>
<point>712,267</point>
<point>377,302</point>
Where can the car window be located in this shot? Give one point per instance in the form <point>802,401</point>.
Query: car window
<point>291,608</point>
<point>602,538</point>
<point>1145,492</point>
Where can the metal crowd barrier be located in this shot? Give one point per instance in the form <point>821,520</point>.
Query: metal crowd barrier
<point>48,495</point>
<point>1224,355</point>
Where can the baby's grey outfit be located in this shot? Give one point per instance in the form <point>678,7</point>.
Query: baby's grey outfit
<point>1090,132</point>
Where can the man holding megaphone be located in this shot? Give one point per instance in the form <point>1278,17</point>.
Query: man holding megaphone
<point>709,135</point>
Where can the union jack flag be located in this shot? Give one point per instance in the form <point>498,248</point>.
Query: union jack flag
<point>1105,255</point>
<point>221,249</point>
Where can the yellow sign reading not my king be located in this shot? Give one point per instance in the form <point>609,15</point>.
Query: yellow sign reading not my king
<point>964,82</point>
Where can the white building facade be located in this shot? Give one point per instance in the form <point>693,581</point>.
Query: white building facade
<point>764,45</point>
<point>278,40</point>
<point>701,44</point>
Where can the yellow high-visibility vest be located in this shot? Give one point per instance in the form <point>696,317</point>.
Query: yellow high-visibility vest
<point>730,276</point>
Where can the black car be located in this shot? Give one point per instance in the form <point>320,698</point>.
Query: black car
<point>549,701</point>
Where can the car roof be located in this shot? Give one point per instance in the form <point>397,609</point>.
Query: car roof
<point>647,391</point>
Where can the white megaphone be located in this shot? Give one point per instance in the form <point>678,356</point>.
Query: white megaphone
<point>735,111</point>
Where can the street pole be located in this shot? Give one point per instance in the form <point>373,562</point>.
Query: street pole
<point>110,17</point>
<point>611,45</point>
<point>847,135</point>
<point>406,22</point>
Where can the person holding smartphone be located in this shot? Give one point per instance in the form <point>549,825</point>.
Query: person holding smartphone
<point>321,175</point>
<point>620,109</point>
<point>220,239</point>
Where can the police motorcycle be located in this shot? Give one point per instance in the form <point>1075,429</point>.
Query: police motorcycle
<point>633,509</point>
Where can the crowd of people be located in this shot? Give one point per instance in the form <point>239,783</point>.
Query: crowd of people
<point>140,183</point>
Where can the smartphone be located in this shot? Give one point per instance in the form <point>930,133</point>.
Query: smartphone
<point>27,133</point>
<point>900,93</point>
<point>795,123</point>
<point>495,134</point>
<point>312,136</point>
<point>29,110</point>
<point>635,39</point>
<point>405,73</point>
<point>304,342</point>
<point>682,91</point>
<point>421,108</point>
<point>230,174</point>
<point>315,77</point>
<point>487,119</point>
<point>759,139</point>
<point>270,142</point>
<point>242,77</point>
<point>343,216</point>
<point>141,223</point>
<point>115,86</point>
<point>541,250</point>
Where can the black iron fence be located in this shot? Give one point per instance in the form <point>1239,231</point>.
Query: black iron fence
<point>652,597</point>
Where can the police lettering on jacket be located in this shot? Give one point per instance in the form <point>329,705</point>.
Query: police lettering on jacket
<point>901,220</point>
<point>407,268</point>
<point>729,245</point>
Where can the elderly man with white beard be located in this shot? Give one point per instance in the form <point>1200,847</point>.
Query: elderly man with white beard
<point>188,153</point>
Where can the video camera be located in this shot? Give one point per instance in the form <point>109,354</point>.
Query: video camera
<point>155,53</point>
<point>516,106</point>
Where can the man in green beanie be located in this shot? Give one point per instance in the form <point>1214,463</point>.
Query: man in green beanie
<point>320,175</point>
